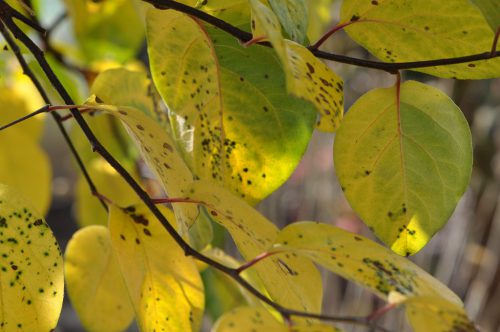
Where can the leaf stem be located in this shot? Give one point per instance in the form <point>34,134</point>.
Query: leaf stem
<point>329,33</point>
<point>44,109</point>
<point>495,42</point>
<point>254,261</point>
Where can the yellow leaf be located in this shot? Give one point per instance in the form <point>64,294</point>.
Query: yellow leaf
<point>95,283</point>
<point>416,30</point>
<point>361,260</point>
<point>25,166</point>
<point>159,152</point>
<point>307,77</point>
<point>164,284</point>
<point>291,281</point>
<point>31,269</point>
<point>432,314</point>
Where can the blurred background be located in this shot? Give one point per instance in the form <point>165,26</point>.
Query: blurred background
<point>464,255</point>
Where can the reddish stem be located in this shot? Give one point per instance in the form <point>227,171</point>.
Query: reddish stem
<point>254,261</point>
<point>254,40</point>
<point>329,33</point>
<point>381,311</point>
<point>495,42</point>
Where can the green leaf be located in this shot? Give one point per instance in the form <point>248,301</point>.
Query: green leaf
<point>236,12</point>
<point>354,257</point>
<point>410,30</point>
<point>164,285</point>
<point>95,283</point>
<point>293,16</point>
<point>110,29</point>
<point>291,281</point>
<point>404,167</point>
<point>230,117</point>
<point>432,314</point>
<point>31,269</point>
<point>251,319</point>
<point>159,152</point>
<point>25,166</point>
<point>491,11</point>
<point>307,77</point>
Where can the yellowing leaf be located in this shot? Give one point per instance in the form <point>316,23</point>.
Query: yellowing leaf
<point>31,270</point>
<point>235,12</point>
<point>110,29</point>
<point>95,283</point>
<point>404,168</point>
<point>25,166</point>
<point>415,30</point>
<point>251,319</point>
<point>293,17</point>
<point>89,210</point>
<point>159,152</point>
<point>307,77</point>
<point>361,260</point>
<point>491,11</point>
<point>164,284</point>
<point>431,314</point>
<point>233,120</point>
<point>14,106</point>
<point>291,281</point>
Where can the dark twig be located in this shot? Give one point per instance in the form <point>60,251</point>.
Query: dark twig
<point>495,42</point>
<point>44,109</point>
<point>244,37</point>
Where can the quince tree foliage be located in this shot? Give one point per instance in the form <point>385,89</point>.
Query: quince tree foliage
<point>217,100</point>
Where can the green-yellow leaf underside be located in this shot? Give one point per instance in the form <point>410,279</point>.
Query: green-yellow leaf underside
<point>95,283</point>
<point>416,30</point>
<point>164,285</point>
<point>159,152</point>
<point>230,113</point>
<point>293,16</point>
<point>291,281</point>
<point>403,169</point>
<point>31,269</point>
<point>251,319</point>
<point>307,77</point>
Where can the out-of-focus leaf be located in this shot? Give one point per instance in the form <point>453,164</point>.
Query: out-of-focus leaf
<point>25,167</point>
<point>307,77</point>
<point>415,30</point>
<point>320,15</point>
<point>95,283</point>
<point>392,277</point>
<point>432,314</point>
<point>110,29</point>
<point>404,163</point>
<point>230,113</point>
<point>31,269</point>
<point>291,281</point>
<point>160,153</point>
<point>89,210</point>
<point>251,319</point>
<point>293,16</point>
<point>164,285</point>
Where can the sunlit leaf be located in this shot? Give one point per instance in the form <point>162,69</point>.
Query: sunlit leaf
<point>94,281</point>
<point>361,260</point>
<point>414,30</point>
<point>293,16</point>
<point>31,270</point>
<point>236,12</point>
<point>15,106</point>
<point>307,77</point>
<point>403,169</point>
<point>232,119</point>
<point>110,29</point>
<point>432,314</point>
<point>291,281</point>
<point>164,285</point>
<point>159,152</point>
<point>251,319</point>
<point>89,210</point>
<point>25,166</point>
<point>491,11</point>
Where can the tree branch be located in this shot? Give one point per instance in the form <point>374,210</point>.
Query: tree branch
<point>392,68</point>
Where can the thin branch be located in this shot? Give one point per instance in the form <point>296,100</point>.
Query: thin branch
<point>56,23</point>
<point>44,109</point>
<point>28,72</point>
<point>495,42</point>
<point>244,37</point>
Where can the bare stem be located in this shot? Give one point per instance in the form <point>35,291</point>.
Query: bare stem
<point>254,261</point>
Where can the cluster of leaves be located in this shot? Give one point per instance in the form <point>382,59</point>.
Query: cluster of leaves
<point>239,118</point>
